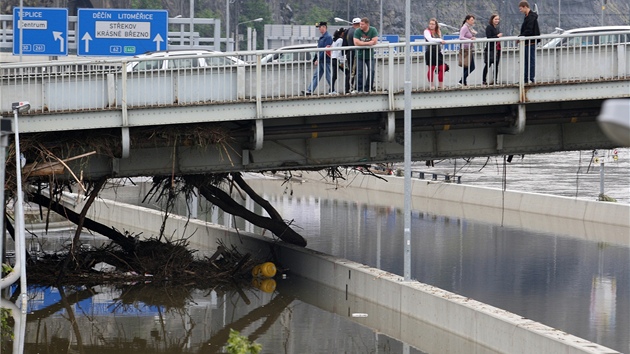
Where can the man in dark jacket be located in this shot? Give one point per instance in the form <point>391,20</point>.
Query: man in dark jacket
<point>529,28</point>
<point>322,59</point>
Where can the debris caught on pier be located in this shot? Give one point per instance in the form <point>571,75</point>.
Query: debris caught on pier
<point>148,261</point>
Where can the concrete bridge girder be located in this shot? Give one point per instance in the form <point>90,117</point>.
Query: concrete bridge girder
<point>299,143</point>
<point>349,130</point>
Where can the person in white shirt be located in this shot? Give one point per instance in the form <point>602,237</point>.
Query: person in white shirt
<point>338,58</point>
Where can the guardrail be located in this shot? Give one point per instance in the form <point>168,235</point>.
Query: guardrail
<point>77,84</point>
<point>434,176</point>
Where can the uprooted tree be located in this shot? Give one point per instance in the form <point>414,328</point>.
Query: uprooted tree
<point>44,166</point>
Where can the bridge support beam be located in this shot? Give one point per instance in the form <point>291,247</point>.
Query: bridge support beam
<point>126,142</point>
<point>519,125</point>
<point>258,135</point>
<point>390,127</point>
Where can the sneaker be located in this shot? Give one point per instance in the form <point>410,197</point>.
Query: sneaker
<point>353,92</point>
<point>306,93</point>
<point>332,93</point>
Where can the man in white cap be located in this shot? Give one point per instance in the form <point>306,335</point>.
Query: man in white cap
<point>348,41</point>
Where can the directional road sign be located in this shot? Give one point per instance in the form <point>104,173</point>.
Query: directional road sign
<point>105,32</point>
<point>44,31</point>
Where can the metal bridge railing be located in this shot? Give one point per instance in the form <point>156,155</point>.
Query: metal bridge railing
<point>74,84</point>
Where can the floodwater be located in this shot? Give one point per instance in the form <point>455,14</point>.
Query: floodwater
<point>575,174</point>
<point>563,279</point>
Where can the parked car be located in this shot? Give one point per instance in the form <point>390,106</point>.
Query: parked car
<point>590,36</point>
<point>182,59</point>
<point>287,57</point>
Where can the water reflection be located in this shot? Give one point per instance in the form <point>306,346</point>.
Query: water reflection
<point>300,316</point>
<point>557,278</point>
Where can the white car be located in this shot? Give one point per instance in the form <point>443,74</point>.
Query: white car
<point>590,36</point>
<point>181,59</point>
<point>279,56</point>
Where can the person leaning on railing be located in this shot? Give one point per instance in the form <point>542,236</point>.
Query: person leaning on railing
<point>433,57</point>
<point>366,36</point>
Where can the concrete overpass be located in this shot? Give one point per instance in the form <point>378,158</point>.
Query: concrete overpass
<point>255,117</point>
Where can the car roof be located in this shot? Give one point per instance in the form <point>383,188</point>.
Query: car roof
<point>597,29</point>
<point>298,46</point>
<point>160,53</point>
<point>186,52</point>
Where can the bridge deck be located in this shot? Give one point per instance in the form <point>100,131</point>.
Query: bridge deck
<point>267,122</point>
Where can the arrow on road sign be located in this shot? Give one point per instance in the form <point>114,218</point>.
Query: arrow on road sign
<point>157,41</point>
<point>87,38</point>
<point>57,36</point>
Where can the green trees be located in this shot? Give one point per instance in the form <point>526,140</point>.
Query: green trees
<point>315,14</point>
<point>250,10</point>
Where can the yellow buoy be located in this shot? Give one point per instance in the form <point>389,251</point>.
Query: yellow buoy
<point>268,285</point>
<point>268,269</point>
<point>256,271</point>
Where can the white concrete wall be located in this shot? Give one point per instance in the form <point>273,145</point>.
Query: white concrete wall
<point>489,326</point>
<point>589,220</point>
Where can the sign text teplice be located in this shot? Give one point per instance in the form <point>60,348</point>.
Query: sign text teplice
<point>40,30</point>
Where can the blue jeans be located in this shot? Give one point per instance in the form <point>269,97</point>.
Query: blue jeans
<point>322,67</point>
<point>369,79</point>
<point>530,63</point>
<point>468,69</point>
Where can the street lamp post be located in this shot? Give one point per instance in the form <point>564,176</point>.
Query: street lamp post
<point>228,47</point>
<point>5,130</point>
<point>407,147</point>
<point>339,19</point>
<point>19,207</point>
<point>240,23</point>
<point>442,24</point>
<point>559,8</point>
<point>380,28</point>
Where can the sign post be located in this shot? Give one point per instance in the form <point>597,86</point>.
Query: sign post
<point>44,31</point>
<point>105,32</point>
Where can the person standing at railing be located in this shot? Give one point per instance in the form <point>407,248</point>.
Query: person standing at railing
<point>433,57</point>
<point>365,36</point>
<point>322,59</point>
<point>529,28</point>
<point>338,58</point>
<point>351,62</point>
<point>492,52</point>
<point>466,56</point>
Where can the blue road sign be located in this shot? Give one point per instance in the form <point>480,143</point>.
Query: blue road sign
<point>44,31</point>
<point>389,38</point>
<point>105,32</point>
<point>416,38</point>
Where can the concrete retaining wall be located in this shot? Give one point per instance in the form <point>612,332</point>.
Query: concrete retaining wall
<point>486,325</point>
<point>589,220</point>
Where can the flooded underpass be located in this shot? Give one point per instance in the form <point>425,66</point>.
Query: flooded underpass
<point>561,278</point>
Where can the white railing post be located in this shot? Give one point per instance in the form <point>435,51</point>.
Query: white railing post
<point>521,70</point>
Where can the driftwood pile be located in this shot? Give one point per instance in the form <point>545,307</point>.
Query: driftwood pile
<point>149,261</point>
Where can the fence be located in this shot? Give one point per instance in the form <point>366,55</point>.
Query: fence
<point>59,86</point>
